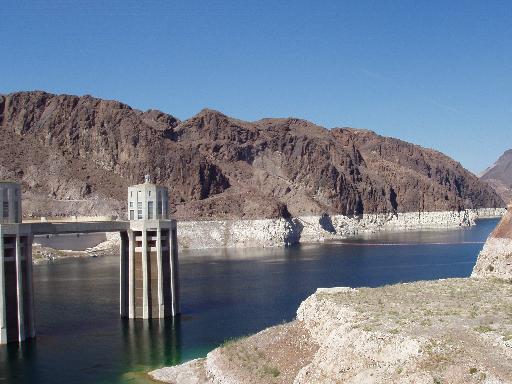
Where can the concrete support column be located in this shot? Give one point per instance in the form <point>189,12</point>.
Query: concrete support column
<point>131,274</point>
<point>161,305</point>
<point>153,282</point>
<point>145,275</point>
<point>3,318</point>
<point>30,287</point>
<point>174,277</point>
<point>123,272</point>
<point>19,290</point>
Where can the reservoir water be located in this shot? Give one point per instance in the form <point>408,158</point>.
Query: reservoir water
<point>225,294</point>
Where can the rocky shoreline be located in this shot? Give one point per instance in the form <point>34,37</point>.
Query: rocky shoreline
<point>313,229</point>
<point>284,232</point>
<point>446,331</point>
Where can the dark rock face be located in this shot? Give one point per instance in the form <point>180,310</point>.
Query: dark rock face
<point>499,176</point>
<point>72,154</point>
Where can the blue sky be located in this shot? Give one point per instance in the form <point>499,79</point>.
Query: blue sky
<point>436,73</point>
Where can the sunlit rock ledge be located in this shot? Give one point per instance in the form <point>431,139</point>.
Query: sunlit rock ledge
<point>446,331</point>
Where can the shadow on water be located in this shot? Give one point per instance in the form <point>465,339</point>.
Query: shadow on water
<point>12,357</point>
<point>144,345</point>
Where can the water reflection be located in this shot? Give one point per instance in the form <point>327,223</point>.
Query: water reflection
<point>151,342</point>
<point>12,357</point>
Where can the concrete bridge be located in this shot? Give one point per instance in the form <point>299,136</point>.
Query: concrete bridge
<point>148,258</point>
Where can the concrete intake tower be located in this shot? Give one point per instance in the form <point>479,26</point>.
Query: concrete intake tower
<point>149,281</point>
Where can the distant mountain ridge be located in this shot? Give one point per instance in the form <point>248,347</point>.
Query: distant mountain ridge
<point>499,175</point>
<point>77,155</point>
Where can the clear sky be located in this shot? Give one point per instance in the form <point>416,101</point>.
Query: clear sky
<point>436,73</point>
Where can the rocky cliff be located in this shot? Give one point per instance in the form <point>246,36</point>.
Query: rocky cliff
<point>77,155</point>
<point>499,176</point>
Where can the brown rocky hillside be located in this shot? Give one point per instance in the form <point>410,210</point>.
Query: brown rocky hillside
<point>77,155</point>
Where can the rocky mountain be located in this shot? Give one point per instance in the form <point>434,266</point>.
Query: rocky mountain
<point>499,175</point>
<point>77,155</point>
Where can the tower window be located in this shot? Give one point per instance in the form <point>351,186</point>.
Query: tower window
<point>131,214</point>
<point>150,210</point>
<point>6,209</point>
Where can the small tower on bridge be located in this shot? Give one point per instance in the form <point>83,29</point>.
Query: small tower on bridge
<point>149,255</point>
<point>147,201</point>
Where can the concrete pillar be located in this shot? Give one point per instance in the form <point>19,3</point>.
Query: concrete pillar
<point>30,285</point>
<point>161,305</point>
<point>145,275</point>
<point>153,282</point>
<point>174,277</point>
<point>131,274</point>
<point>123,272</point>
<point>3,318</point>
<point>19,290</point>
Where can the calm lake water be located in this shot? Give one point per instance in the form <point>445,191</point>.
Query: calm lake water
<point>226,293</point>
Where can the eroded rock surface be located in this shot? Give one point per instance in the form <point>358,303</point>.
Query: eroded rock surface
<point>454,331</point>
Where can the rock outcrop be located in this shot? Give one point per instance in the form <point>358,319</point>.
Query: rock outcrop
<point>76,156</point>
<point>499,176</point>
<point>453,331</point>
<point>495,259</point>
